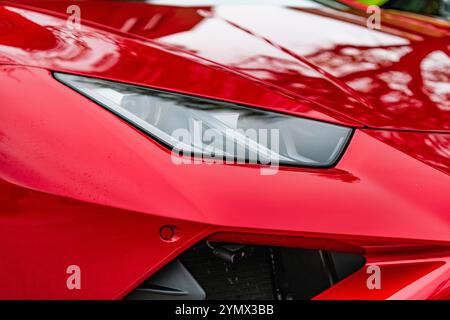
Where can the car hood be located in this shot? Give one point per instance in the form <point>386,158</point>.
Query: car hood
<point>316,61</point>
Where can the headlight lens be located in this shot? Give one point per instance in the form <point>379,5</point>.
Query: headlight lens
<point>214,129</point>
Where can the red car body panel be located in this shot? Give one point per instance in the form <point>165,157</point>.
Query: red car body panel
<point>81,186</point>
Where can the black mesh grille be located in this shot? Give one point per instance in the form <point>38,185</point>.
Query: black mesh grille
<point>250,278</point>
<point>218,271</point>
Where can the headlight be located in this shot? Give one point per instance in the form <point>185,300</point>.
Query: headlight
<point>218,130</point>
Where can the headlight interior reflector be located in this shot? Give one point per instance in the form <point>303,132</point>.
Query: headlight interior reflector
<point>215,129</point>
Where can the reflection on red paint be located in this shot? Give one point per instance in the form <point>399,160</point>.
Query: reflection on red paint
<point>431,148</point>
<point>394,78</point>
<point>393,278</point>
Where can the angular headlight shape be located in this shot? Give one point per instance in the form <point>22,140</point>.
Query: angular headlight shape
<point>219,130</point>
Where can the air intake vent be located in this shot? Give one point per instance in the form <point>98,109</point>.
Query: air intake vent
<point>229,271</point>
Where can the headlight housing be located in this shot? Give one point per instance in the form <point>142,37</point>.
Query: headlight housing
<point>217,130</point>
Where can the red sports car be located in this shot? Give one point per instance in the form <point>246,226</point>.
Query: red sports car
<point>177,150</point>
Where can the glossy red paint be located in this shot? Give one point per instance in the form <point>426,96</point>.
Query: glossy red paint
<point>415,277</point>
<point>80,186</point>
<point>393,78</point>
<point>95,52</point>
